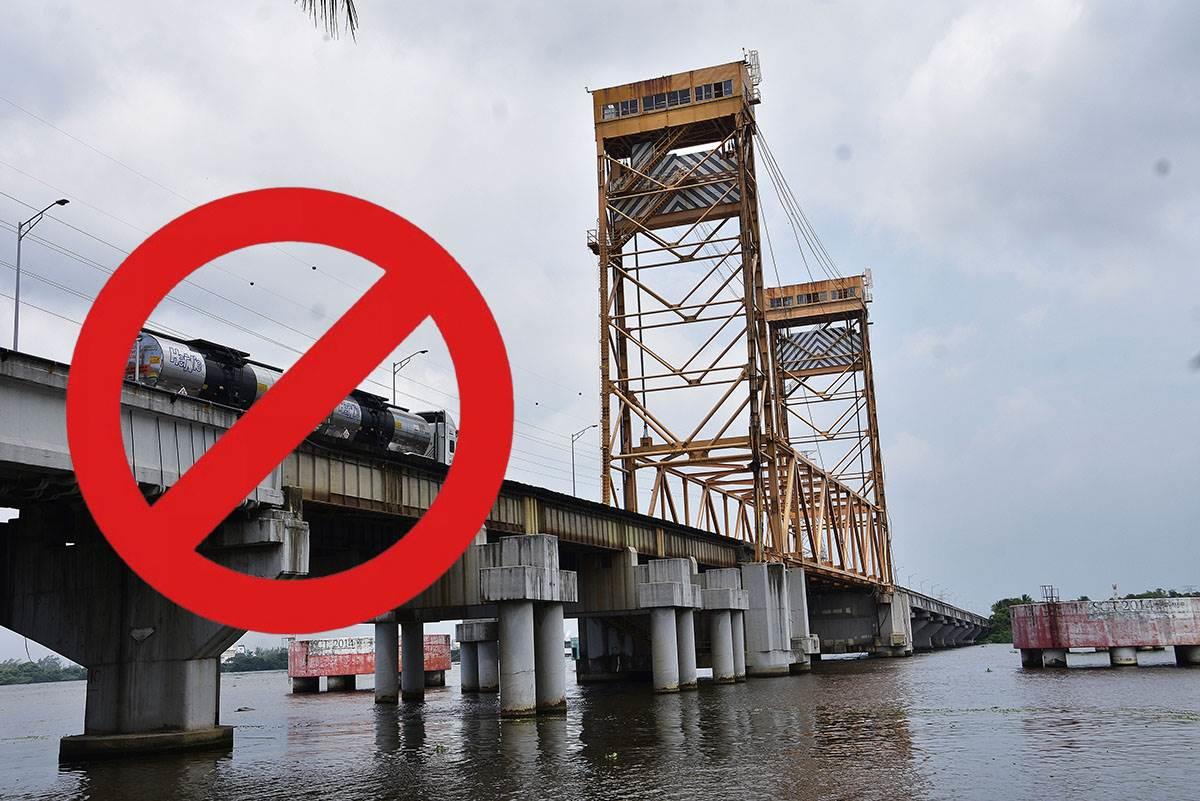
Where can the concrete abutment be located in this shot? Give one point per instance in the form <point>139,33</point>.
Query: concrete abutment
<point>153,667</point>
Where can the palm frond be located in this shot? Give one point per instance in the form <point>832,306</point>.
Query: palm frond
<point>328,13</point>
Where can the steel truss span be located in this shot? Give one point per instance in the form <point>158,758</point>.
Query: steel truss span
<point>714,394</point>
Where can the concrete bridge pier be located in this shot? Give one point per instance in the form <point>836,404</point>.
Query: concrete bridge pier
<point>942,638</point>
<point>412,661</point>
<point>488,656</point>
<point>607,651</point>
<point>737,622</point>
<point>723,597</point>
<point>767,619</point>
<point>664,649</point>
<point>153,668</point>
<point>592,664</point>
<point>478,668</point>
<point>805,645</point>
<point>923,626</point>
<point>667,589</point>
<point>550,664</point>
<point>518,690</point>
<point>468,667</point>
<point>894,611</point>
<point>685,641</point>
<point>721,639</point>
<point>520,575</point>
<point>387,660</point>
<point>614,641</point>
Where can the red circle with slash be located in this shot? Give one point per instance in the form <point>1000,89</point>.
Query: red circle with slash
<point>159,541</point>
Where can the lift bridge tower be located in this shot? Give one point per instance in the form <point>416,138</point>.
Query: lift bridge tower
<point>726,405</point>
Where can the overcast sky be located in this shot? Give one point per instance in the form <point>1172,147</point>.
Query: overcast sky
<point>1022,179</point>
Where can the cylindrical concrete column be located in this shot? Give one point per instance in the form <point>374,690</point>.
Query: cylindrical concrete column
<point>387,663</point>
<point>1187,655</point>
<point>1054,657</point>
<point>721,636</point>
<point>1031,657</point>
<point>489,666</point>
<point>664,649</point>
<point>737,623</point>
<point>468,667</point>
<point>1122,656</point>
<point>549,660</point>
<point>412,660</point>
<point>518,687</point>
<point>685,639</point>
<point>337,684</point>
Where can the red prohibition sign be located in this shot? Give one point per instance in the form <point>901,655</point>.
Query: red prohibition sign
<point>159,542</point>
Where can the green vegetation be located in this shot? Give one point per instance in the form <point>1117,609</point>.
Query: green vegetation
<point>48,668</point>
<point>1002,619</point>
<point>259,659</point>
<point>1161,593</point>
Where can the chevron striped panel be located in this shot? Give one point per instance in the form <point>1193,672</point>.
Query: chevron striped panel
<point>819,349</point>
<point>701,166</point>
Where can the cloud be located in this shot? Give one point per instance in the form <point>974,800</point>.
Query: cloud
<point>995,164</point>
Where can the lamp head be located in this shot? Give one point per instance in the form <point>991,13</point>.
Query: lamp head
<point>62,201</point>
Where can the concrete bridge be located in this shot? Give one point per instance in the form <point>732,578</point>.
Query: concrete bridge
<point>654,599</point>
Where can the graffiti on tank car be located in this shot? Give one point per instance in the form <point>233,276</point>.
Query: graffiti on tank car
<point>185,360</point>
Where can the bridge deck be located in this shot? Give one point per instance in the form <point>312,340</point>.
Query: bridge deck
<point>166,434</point>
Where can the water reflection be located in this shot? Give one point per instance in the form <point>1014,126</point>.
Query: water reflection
<point>964,724</point>
<point>171,775</point>
<point>412,726</point>
<point>387,728</point>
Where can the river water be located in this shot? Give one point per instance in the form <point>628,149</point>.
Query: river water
<point>962,724</point>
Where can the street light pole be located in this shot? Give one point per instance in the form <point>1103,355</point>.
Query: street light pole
<point>22,229</point>
<point>397,367</point>
<point>574,437</point>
